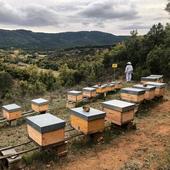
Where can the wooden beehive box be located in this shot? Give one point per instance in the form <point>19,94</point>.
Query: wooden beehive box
<point>87,122</point>
<point>160,88</point>
<point>132,94</point>
<point>39,105</point>
<point>117,84</point>
<point>100,88</point>
<point>75,96</point>
<point>45,129</point>
<point>151,78</point>
<point>89,92</point>
<point>149,90</point>
<point>11,112</point>
<point>119,112</point>
<point>159,77</point>
<point>106,88</point>
<point>111,86</point>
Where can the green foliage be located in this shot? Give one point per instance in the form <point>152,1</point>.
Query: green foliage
<point>67,75</point>
<point>6,83</point>
<point>31,40</point>
<point>148,54</point>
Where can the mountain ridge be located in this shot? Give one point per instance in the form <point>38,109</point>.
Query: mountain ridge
<point>38,40</point>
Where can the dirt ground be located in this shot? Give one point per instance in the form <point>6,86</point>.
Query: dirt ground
<point>147,148</point>
<point>140,149</point>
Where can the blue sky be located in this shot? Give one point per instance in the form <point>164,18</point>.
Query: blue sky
<point>114,16</point>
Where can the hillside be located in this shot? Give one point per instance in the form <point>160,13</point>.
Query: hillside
<point>32,40</point>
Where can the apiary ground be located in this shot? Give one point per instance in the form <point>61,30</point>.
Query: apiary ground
<point>147,148</point>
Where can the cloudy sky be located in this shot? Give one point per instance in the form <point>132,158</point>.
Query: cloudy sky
<point>114,16</point>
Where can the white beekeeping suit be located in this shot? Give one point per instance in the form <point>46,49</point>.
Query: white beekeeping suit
<point>129,71</point>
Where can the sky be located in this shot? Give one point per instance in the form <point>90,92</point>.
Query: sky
<point>114,16</point>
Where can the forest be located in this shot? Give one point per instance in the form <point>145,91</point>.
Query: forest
<point>34,72</point>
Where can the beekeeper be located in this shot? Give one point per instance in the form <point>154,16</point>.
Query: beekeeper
<point>129,71</point>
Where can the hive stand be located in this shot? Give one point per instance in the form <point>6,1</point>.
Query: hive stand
<point>12,113</point>
<point>149,90</point>
<point>13,163</point>
<point>90,123</point>
<point>160,88</point>
<point>47,131</point>
<point>89,92</point>
<point>119,112</point>
<point>39,105</point>
<point>132,94</point>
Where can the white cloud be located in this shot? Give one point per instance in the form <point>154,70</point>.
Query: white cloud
<point>115,16</point>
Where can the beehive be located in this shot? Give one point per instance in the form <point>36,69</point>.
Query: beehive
<point>132,94</point>
<point>149,90</point>
<point>87,122</point>
<point>117,84</point>
<point>160,88</point>
<point>39,105</point>
<point>119,112</point>
<point>151,78</point>
<point>45,129</point>
<point>11,112</point>
<point>111,86</point>
<point>159,77</point>
<point>89,92</point>
<point>107,87</point>
<point>74,96</point>
<point>99,89</point>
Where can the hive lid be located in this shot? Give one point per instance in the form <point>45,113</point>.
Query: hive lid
<point>159,85</point>
<point>11,107</point>
<point>150,78</point>
<point>97,86</point>
<point>93,114</point>
<point>111,85</point>
<point>147,87</point>
<point>119,105</point>
<point>74,92</point>
<point>136,91</point>
<point>115,82</point>
<point>40,101</point>
<point>89,89</point>
<point>104,85</point>
<point>45,123</point>
<point>154,75</point>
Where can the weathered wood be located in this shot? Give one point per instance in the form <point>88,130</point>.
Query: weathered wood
<point>46,138</point>
<point>12,162</point>
<point>118,117</point>
<point>132,97</point>
<point>85,126</point>
<point>12,115</point>
<point>39,108</point>
<point>89,92</point>
<point>159,92</point>
<point>11,112</point>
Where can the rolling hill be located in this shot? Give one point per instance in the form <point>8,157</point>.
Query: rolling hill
<point>32,40</point>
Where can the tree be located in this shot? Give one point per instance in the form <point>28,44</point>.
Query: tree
<point>168,7</point>
<point>6,83</point>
